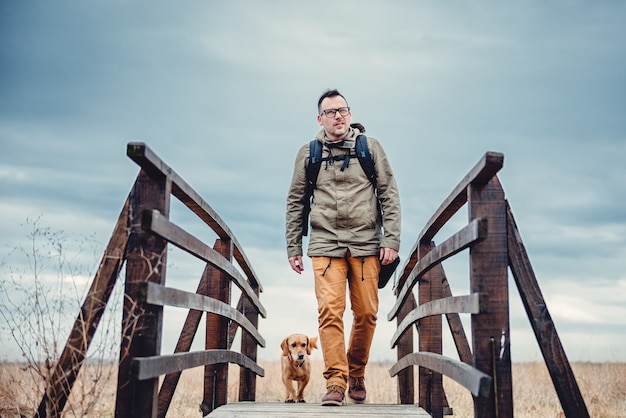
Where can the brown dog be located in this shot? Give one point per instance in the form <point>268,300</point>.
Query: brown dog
<point>295,364</point>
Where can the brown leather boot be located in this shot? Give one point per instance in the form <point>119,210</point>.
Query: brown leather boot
<point>334,396</point>
<point>356,389</point>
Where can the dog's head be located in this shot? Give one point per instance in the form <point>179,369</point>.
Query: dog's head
<point>296,346</point>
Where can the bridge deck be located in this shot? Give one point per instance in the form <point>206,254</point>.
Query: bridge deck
<point>304,410</point>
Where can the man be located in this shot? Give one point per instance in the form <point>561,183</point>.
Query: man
<point>354,229</point>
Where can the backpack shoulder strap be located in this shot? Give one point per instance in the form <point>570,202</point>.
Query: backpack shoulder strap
<point>311,172</point>
<point>315,162</point>
<point>365,159</point>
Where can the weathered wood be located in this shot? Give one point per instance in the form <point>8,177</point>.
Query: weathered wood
<point>406,378</point>
<point>160,295</point>
<point>149,161</point>
<point>249,347</point>
<point>150,367</point>
<point>144,237</point>
<point>489,259</point>
<point>185,340</point>
<point>430,340</point>
<point>475,231</point>
<point>216,375</point>
<point>66,370</point>
<point>146,259</point>
<point>482,172</point>
<point>305,410</point>
<point>552,350</point>
<point>145,253</point>
<point>474,303</point>
<point>489,274</point>
<point>439,273</point>
<point>187,242</point>
<point>477,382</point>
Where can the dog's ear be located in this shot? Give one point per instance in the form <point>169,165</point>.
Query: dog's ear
<point>311,345</point>
<point>285,346</point>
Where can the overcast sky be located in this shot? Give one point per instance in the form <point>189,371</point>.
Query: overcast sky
<point>226,93</point>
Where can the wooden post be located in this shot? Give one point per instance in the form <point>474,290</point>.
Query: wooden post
<point>216,375</point>
<point>536,308</point>
<point>489,274</point>
<point>146,258</point>
<point>429,330</point>
<point>247,378</point>
<point>406,378</point>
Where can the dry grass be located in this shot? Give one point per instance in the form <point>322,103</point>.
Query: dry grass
<point>603,386</point>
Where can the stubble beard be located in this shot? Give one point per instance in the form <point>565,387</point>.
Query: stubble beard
<point>340,132</point>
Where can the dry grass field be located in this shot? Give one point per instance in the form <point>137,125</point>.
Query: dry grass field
<point>603,386</point>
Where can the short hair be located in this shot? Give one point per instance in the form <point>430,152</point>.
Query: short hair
<point>328,93</point>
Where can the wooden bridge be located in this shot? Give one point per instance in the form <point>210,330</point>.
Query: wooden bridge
<point>140,241</point>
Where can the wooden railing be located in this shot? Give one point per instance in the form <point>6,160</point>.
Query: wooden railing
<point>495,246</point>
<point>140,240</point>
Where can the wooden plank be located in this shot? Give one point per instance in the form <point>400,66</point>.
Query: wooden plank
<point>482,172</point>
<point>146,261</point>
<point>475,231</point>
<point>489,274</point>
<point>154,366</point>
<point>477,382</point>
<point>552,350</point>
<point>149,161</point>
<point>471,304</point>
<point>66,370</point>
<point>187,242</point>
<point>162,295</point>
<point>273,409</point>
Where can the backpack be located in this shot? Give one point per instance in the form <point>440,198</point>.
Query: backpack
<point>362,152</point>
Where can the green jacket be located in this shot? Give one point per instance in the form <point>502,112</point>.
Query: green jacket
<point>344,211</point>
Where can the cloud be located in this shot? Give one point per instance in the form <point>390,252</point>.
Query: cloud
<point>225,93</point>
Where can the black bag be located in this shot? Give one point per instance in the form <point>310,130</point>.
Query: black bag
<point>386,271</point>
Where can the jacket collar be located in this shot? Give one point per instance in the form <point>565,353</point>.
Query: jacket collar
<point>347,143</point>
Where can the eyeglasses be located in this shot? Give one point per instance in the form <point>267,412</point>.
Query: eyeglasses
<point>330,113</point>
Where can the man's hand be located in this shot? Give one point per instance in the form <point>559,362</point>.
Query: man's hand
<point>296,264</point>
<point>387,255</point>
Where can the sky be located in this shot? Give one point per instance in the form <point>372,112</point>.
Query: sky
<point>226,92</point>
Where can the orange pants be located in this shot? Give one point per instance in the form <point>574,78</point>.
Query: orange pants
<point>331,276</point>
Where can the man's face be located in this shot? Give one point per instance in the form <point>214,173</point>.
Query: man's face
<point>336,127</point>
